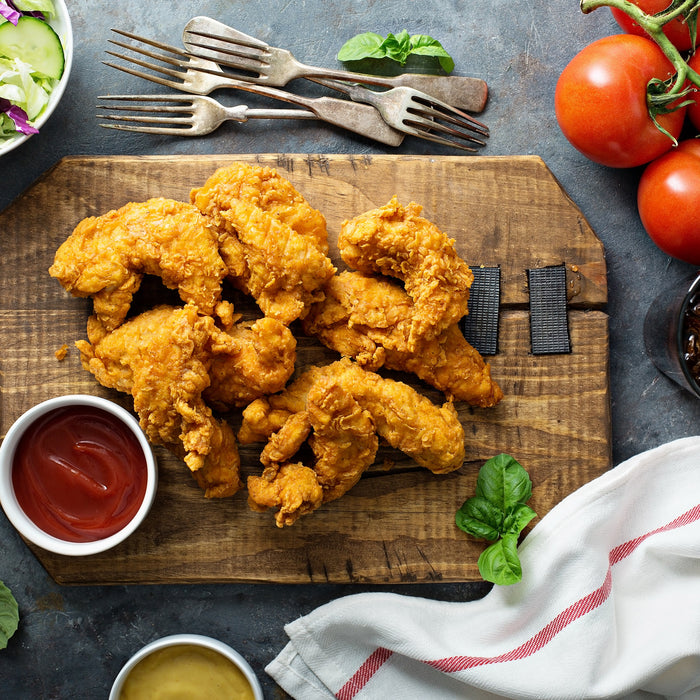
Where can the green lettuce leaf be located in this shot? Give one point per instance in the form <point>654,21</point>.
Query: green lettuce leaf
<point>44,6</point>
<point>23,87</point>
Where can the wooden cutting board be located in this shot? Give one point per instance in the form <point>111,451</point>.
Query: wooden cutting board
<point>396,525</point>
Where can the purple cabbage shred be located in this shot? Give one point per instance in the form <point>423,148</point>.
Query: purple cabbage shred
<point>18,116</point>
<point>10,12</point>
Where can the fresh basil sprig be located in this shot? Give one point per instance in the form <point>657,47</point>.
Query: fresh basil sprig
<point>498,513</point>
<point>397,47</point>
<point>9,615</point>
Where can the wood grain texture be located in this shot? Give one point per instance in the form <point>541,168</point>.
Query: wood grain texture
<point>397,524</point>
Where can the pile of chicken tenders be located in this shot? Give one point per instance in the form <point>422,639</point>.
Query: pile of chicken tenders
<point>397,306</point>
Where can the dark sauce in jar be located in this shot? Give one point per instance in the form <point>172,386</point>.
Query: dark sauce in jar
<point>79,473</point>
<point>691,337</point>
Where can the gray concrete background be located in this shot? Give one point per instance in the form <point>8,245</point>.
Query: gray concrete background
<point>72,641</point>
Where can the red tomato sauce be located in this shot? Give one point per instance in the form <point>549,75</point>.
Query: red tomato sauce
<point>79,473</point>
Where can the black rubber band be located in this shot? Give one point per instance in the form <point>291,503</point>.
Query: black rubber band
<point>549,322</point>
<point>480,325</point>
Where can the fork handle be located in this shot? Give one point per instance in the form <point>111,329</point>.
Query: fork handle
<point>360,118</point>
<point>462,92</point>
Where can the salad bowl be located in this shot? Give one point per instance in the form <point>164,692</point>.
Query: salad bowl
<point>61,24</point>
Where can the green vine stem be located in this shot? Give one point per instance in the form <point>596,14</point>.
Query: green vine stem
<point>653,25</point>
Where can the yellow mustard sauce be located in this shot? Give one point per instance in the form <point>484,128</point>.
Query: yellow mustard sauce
<point>186,672</point>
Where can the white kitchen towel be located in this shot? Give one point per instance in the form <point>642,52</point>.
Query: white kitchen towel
<point>608,607</point>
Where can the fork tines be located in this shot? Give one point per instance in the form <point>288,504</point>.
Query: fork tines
<point>432,116</point>
<point>159,110</point>
<point>169,58</point>
<point>252,60</point>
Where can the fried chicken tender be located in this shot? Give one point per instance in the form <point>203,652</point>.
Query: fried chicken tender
<point>106,257</point>
<point>273,242</point>
<point>162,358</point>
<point>368,318</point>
<point>292,488</point>
<point>249,360</point>
<point>268,414</point>
<point>341,409</point>
<point>396,241</point>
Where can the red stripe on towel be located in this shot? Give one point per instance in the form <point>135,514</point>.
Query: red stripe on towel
<point>373,663</point>
<point>580,608</point>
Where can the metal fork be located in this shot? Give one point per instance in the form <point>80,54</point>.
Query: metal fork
<point>197,76</point>
<point>265,64</point>
<point>183,115</point>
<point>418,114</point>
<point>404,108</point>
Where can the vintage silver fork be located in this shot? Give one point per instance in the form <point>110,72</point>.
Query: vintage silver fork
<point>418,114</point>
<point>197,76</point>
<point>404,108</point>
<point>182,115</point>
<point>265,64</point>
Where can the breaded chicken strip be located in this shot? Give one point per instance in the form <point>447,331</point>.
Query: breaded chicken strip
<point>266,189</point>
<point>273,243</point>
<point>249,360</point>
<point>341,410</point>
<point>106,257</point>
<point>292,488</point>
<point>162,358</point>
<point>394,240</point>
<point>268,415</point>
<point>368,319</point>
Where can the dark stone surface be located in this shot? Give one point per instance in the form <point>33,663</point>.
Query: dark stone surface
<point>72,641</point>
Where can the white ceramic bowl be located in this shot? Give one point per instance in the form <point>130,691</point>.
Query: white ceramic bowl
<point>24,525</point>
<point>193,639</point>
<point>62,25</point>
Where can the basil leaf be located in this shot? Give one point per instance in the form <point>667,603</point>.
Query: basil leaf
<point>516,518</point>
<point>498,510</point>
<point>9,615</point>
<point>397,47</point>
<point>424,45</point>
<point>480,518</point>
<point>367,45</point>
<point>504,482</point>
<point>499,563</point>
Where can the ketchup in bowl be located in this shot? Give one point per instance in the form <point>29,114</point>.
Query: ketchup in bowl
<point>79,473</point>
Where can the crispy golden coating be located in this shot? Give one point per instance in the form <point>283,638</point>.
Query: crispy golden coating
<point>162,358</point>
<point>341,409</point>
<point>273,242</point>
<point>250,225</point>
<point>292,488</point>
<point>266,189</point>
<point>267,415</point>
<point>368,318</point>
<point>106,257</point>
<point>344,439</point>
<point>249,360</point>
<point>396,241</point>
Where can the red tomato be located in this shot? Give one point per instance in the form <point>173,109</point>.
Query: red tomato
<point>676,30</point>
<point>694,109</point>
<point>668,199</point>
<point>600,101</point>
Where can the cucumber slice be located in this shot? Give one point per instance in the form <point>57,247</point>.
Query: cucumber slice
<point>33,41</point>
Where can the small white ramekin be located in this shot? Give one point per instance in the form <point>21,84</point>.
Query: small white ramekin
<point>184,639</point>
<point>8,500</point>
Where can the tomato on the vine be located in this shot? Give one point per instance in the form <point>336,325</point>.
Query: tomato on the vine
<point>668,200</point>
<point>676,30</point>
<point>601,101</point>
